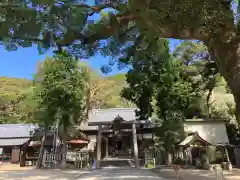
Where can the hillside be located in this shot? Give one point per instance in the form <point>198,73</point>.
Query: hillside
<point>11,87</point>
<point>16,101</point>
<point>16,96</point>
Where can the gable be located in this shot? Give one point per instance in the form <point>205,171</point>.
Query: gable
<point>213,132</point>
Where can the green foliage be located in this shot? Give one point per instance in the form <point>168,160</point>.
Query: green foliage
<point>50,22</point>
<point>18,100</point>
<point>61,91</point>
<point>15,97</point>
<point>156,84</point>
<point>150,164</point>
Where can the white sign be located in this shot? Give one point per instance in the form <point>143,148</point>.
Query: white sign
<point>147,136</point>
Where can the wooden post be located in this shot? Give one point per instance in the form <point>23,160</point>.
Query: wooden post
<point>99,139</point>
<point>190,156</point>
<point>106,146</point>
<point>135,145</point>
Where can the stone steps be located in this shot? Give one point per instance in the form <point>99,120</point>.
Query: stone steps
<point>115,162</point>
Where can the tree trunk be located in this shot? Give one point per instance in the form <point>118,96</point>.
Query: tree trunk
<point>64,151</point>
<point>40,157</point>
<point>169,158</point>
<point>227,57</point>
<point>23,158</point>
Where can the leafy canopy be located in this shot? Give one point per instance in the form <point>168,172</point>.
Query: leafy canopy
<point>54,23</point>
<point>61,91</point>
<point>157,85</point>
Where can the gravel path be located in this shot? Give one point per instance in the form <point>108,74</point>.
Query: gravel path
<point>194,174</point>
<point>103,174</point>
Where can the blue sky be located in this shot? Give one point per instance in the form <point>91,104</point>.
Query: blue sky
<point>22,63</point>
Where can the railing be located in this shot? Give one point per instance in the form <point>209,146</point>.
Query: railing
<point>79,159</point>
<point>153,155</point>
<point>51,160</point>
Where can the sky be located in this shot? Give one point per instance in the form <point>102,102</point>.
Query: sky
<point>23,62</point>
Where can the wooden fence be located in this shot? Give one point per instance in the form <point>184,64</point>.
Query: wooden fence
<point>237,157</point>
<point>153,155</point>
<point>79,159</point>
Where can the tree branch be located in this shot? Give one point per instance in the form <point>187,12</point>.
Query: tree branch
<point>164,30</point>
<point>97,9</point>
<point>109,30</point>
<point>18,38</point>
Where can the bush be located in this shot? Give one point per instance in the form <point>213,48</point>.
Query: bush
<point>150,164</point>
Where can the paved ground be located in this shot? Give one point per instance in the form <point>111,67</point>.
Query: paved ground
<point>103,174</point>
<point>14,172</point>
<point>193,174</point>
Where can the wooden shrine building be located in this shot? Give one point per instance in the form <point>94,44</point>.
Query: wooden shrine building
<point>116,133</point>
<point>13,137</point>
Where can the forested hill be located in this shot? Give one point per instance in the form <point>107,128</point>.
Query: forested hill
<point>16,103</point>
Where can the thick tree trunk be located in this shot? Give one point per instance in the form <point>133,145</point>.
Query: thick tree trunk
<point>227,57</point>
<point>40,158</point>
<point>169,155</point>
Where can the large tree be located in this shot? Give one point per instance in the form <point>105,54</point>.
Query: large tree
<point>62,95</point>
<point>156,83</point>
<point>66,23</point>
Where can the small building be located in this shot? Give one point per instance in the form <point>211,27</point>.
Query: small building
<point>211,130</point>
<point>13,137</point>
<point>204,137</point>
<point>116,132</point>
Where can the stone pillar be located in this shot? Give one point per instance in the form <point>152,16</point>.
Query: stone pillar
<point>99,147</point>
<point>135,145</point>
<point>106,146</point>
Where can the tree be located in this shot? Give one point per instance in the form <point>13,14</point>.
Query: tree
<point>199,66</point>
<point>62,95</point>
<point>124,26</point>
<point>156,83</point>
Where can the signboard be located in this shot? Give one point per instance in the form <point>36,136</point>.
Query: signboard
<point>147,136</point>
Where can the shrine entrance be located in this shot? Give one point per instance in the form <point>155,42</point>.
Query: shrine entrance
<point>120,139</point>
<point>120,146</point>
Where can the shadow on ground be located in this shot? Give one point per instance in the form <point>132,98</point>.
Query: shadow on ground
<point>193,174</point>
<point>103,174</point>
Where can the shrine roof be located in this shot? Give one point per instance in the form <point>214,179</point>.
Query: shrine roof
<point>17,130</point>
<point>108,115</point>
<point>15,134</point>
<point>191,138</point>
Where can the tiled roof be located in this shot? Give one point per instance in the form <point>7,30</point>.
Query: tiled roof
<point>191,138</point>
<point>13,141</point>
<point>16,130</point>
<point>106,115</point>
<point>187,140</point>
